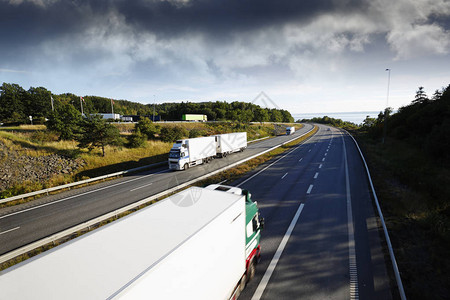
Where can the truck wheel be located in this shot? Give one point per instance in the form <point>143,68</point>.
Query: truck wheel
<point>251,271</point>
<point>242,285</point>
<point>186,166</point>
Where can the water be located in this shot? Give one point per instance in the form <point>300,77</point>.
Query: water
<point>356,117</point>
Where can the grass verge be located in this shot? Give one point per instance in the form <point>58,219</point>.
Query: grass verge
<point>414,192</point>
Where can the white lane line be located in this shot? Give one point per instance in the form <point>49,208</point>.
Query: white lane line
<point>143,186</point>
<point>309,189</point>
<point>273,263</point>
<point>284,175</point>
<point>320,166</point>
<point>317,174</point>
<point>78,195</point>
<point>354,293</point>
<point>323,159</point>
<point>326,154</point>
<point>309,150</point>
<point>18,227</point>
<point>300,159</point>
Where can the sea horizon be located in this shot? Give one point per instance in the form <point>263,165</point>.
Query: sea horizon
<point>356,117</point>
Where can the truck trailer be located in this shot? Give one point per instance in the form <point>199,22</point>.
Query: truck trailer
<point>194,117</point>
<point>201,243</point>
<point>191,152</point>
<point>290,130</point>
<point>230,142</point>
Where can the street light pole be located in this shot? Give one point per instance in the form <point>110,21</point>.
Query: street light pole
<point>153,108</point>
<point>387,105</point>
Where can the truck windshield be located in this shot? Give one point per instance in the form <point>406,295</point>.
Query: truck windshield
<point>174,154</point>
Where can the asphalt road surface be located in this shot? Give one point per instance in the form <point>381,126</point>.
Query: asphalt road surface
<point>321,239</point>
<point>26,223</point>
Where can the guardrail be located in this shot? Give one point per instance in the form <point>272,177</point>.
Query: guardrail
<point>72,230</point>
<point>386,234</point>
<point>69,185</point>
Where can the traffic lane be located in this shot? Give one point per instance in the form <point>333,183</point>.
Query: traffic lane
<point>279,203</point>
<point>314,263</point>
<point>372,269</point>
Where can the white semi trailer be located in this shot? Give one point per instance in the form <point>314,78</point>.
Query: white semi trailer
<point>191,152</point>
<point>290,130</point>
<point>230,142</point>
<point>201,243</point>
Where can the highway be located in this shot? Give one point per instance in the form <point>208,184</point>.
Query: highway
<point>320,239</point>
<point>29,222</point>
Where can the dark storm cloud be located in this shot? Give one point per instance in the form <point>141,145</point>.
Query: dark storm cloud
<point>29,22</point>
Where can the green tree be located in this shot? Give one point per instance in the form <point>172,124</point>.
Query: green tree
<point>96,132</point>
<point>147,128</point>
<point>171,134</point>
<point>65,121</point>
<point>137,139</point>
<point>12,107</point>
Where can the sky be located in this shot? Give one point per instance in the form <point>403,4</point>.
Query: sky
<point>304,56</point>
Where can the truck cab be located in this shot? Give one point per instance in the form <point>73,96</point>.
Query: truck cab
<point>254,225</point>
<point>179,155</point>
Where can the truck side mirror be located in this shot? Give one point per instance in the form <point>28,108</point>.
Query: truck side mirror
<point>261,223</point>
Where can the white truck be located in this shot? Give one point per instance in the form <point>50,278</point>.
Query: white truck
<point>191,152</point>
<point>230,142</point>
<point>290,130</point>
<point>201,243</point>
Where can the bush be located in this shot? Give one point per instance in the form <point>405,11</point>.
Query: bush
<point>193,133</point>
<point>171,134</point>
<point>147,128</point>
<point>137,139</point>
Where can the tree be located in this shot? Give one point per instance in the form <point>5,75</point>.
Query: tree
<point>137,139</point>
<point>171,134</point>
<point>147,128</point>
<point>65,121</point>
<point>421,96</point>
<point>12,108</point>
<point>96,132</point>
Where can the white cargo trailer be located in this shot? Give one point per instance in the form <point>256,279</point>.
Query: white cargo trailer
<point>290,130</point>
<point>230,142</point>
<point>201,243</point>
<point>190,152</point>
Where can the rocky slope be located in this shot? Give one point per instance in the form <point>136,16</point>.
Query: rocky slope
<point>17,168</point>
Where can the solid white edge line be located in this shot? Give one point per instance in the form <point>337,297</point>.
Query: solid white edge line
<point>6,231</point>
<point>386,234</point>
<point>273,263</point>
<point>353,271</point>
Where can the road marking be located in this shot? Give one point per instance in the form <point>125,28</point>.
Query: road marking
<point>309,150</point>
<point>326,154</point>
<point>309,189</point>
<point>284,175</point>
<point>300,159</point>
<point>74,196</point>
<point>354,293</point>
<point>143,186</point>
<point>323,159</point>
<point>18,227</point>
<point>320,166</point>
<point>273,263</point>
<point>267,166</point>
<point>317,174</point>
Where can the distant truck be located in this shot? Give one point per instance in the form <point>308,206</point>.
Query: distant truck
<point>290,130</point>
<point>194,117</point>
<point>201,243</point>
<point>187,153</point>
<point>230,142</point>
<point>191,152</point>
